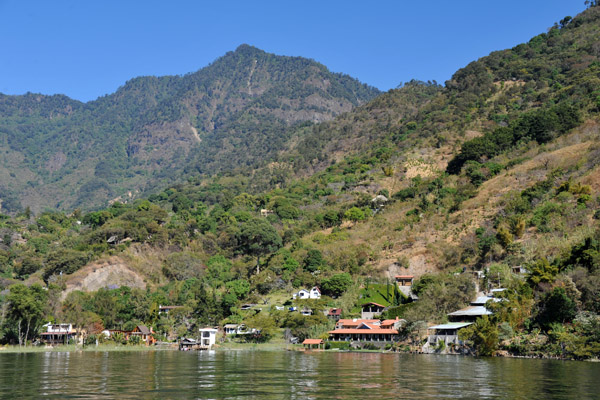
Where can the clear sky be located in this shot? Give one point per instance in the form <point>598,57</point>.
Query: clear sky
<point>86,48</point>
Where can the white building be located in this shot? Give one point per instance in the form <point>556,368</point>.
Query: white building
<point>302,294</point>
<point>447,333</point>
<point>58,334</point>
<point>208,337</point>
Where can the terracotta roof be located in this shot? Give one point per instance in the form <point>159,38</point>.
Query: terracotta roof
<point>313,341</point>
<point>357,322</point>
<point>375,304</point>
<point>370,326</point>
<point>335,311</point>
<point>376,331</point>
<point>404,276</point>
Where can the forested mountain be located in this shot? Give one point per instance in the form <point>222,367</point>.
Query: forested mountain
<point>494,175</point>
<point>61,153</point>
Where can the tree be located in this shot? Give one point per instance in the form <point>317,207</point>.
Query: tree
<point>218,270</point>
<point>541,271</point>
<point>105,305</point>
<point>337,284</point>
<point>183,265</point>
<point>264,325</point>
<point>355,214</point>
<point>556,306</point>
<point>484,335</point>
<point>239,287</point>
<point>259,238</point>
<point>26,308</point>
<point>314,260</point>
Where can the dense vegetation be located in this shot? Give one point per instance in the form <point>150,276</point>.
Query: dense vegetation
<point>493,173</point>
<point>153,130</point>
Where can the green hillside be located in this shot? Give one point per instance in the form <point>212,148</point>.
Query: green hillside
<point>494,173</point>
<point>63,154</point>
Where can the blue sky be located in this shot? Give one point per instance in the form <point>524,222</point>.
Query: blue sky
<point>86,49</point>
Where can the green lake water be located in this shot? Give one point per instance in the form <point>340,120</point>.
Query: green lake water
<point>290,375</point>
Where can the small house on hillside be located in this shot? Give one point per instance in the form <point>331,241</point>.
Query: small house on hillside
<point>302,294</point>
<point>482,300</point>
<point>468,314</point>
<point>371,310</point>
<point>166,309</point>
<point>264,212</point>
<point>306,311</point>
<point>404,280</point>
<point>231,329</point>
<point>476,310</point>
<point>334,314</point>
<point>58,334</point>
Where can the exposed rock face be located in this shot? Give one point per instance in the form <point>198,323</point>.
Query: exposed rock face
<point>112,272</point>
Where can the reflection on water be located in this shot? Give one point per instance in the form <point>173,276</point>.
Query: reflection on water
<point>290,375</point>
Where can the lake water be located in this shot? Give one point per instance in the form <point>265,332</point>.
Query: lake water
<point>290,375</point>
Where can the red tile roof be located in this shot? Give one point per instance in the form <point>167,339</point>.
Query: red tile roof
<point>375,304</point>
<point>388,322</point>
<point>357,322</point>
<point>404,276</point>
<point>313,341</point>
<point>335,311</point>
<point>374,331</point>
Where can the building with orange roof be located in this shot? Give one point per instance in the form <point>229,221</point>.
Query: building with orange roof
<point>309,343</point>
<point>353,323</point>
<point>365,332</point>
<point>335,314</point>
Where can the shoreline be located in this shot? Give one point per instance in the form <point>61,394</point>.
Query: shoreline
<point>261,347</point>
<point>15,349</point>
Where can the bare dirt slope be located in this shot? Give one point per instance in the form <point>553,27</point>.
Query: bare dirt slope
<point>110,272</point>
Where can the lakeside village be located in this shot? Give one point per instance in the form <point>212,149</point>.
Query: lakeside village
<point>369,332</point>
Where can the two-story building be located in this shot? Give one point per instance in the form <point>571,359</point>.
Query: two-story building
<point>58,334</point>
<point>334,314</point>
<point>446,333</point>
<point>365,330</point>
<point>208,337</point>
